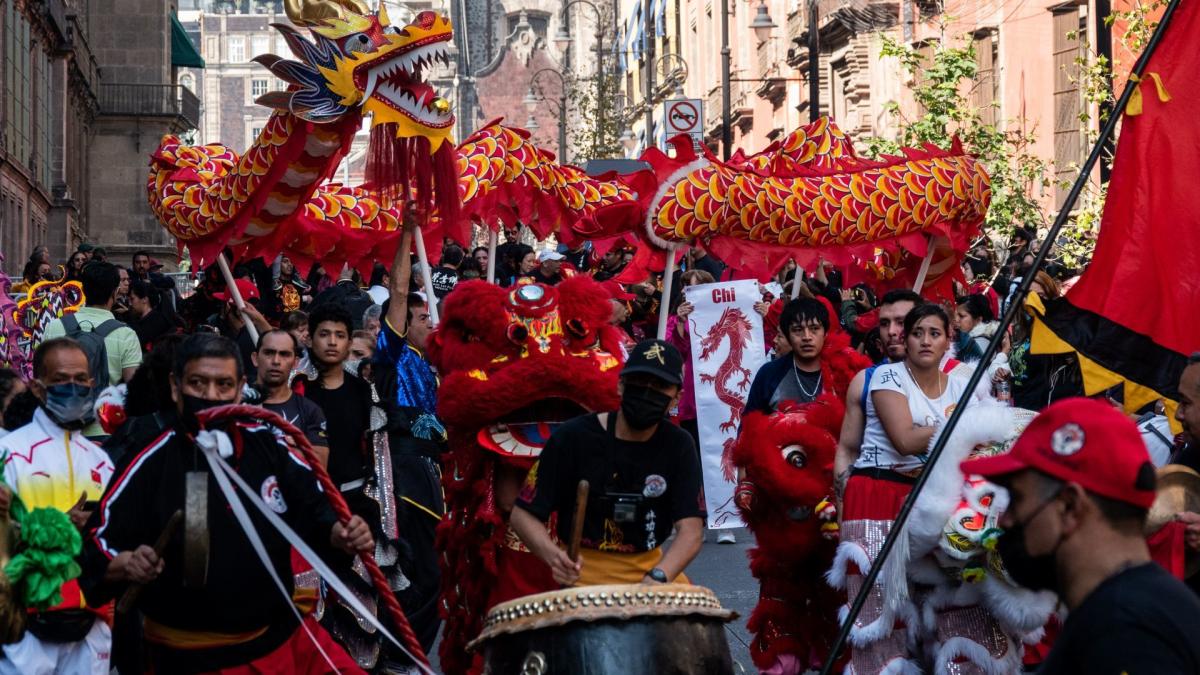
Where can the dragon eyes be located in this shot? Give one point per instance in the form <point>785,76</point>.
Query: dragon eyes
<point>358,43</point>
<point>795,455</point>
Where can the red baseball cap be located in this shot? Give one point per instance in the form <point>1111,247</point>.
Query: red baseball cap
<point>1082,441</point>
<point>616,291</point>
<point>244,286</point>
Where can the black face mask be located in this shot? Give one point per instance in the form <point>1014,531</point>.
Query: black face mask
<point>1035,572</point>
<point>643,406</point>
<point>192,405</point>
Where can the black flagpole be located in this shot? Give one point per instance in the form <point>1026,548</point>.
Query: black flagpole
<point>997,338</point>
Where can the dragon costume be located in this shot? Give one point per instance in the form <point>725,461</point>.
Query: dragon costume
<point>808,195</point>
<point>514,363</point>
<point>787,457</point>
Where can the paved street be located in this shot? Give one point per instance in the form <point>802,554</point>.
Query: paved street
<point>725,569</point>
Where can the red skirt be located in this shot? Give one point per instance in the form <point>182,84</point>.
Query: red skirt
<point>869,498</point>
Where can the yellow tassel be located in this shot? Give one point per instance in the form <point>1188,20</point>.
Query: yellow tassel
<point>1134,106</point>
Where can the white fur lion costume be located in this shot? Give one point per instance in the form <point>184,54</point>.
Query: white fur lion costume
<point>961,612</point>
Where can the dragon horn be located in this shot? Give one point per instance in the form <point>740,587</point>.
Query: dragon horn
<point>357,6</point>
<point>309,12</point>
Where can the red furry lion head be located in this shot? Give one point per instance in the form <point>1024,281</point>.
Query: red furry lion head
<point>788,456</point>
<point>516,361</point>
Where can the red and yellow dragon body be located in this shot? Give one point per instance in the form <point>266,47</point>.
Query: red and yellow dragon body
<point>808,195</point>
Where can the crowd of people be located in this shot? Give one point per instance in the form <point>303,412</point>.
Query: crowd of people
<point>343,360</point>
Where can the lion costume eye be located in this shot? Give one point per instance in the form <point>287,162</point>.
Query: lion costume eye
<point>795,455</point>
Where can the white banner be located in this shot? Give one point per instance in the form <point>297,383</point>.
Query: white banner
<point>727,350</point>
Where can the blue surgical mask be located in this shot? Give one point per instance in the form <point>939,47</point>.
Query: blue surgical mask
<point>70,405</point>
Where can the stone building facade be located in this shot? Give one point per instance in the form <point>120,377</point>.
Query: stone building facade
<point>140,102</point>
<point>503,45</point>
<point>88,93</point>
<point>1025,49</point>
<point>49,82</point>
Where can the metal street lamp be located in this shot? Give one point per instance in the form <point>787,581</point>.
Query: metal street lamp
<point>628,139</point>
<point>762,24</point>
<point>562,38</point>
<point>532,124</point>
<point>531,101</point>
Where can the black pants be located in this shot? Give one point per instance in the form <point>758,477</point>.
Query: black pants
<point>419,509</point>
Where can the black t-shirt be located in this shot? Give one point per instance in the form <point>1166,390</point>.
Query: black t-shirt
<point>543,279</point>
<point>347,419</point>
<point>304,415</point>
<point>1142,621</point>
<point>444,279</point>
<point>637,490</point>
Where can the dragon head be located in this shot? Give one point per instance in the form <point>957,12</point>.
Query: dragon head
<point>358,60</point>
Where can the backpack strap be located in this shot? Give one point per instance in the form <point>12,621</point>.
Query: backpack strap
<point>106,328</point>
<point>71,325</point>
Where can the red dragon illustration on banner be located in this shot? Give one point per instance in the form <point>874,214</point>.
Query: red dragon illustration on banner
<point>514,364</point>
<point>807,196</point>
<point>734,326</point>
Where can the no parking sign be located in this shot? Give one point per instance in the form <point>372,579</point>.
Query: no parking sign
<point>684,116</point>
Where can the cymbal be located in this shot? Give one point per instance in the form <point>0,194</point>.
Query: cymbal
<point>1178,491</point>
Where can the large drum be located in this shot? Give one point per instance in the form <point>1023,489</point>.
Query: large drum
<point>626,629</point>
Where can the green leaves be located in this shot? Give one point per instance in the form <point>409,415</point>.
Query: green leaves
<point>941,86</point>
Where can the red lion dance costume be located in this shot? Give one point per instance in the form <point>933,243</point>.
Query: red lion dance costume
<point>514,363</point>
<point>788,460</point>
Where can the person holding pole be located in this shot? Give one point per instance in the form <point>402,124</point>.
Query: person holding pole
<point>644,478</point>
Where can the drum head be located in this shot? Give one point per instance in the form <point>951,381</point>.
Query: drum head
<point>594,603</point>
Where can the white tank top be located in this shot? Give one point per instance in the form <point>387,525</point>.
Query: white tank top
<point>877,450</point>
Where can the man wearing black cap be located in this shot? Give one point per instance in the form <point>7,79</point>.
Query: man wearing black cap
<point>1081,483</point>
<point>644,477</point>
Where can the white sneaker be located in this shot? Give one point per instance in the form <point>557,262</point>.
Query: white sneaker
<point>726,537</point>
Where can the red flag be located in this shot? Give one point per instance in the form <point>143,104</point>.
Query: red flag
<point>1132,316</point>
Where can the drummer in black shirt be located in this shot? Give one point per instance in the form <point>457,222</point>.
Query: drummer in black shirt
<point>644,478</point>
<point>1081,483</point>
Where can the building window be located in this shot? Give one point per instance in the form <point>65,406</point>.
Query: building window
<point>236,48</point>
<point>1068,99</point>
<point>255,132</point>
<point>18,85</point>
<point>45,116</point>
<point>260,44</point>
<point>986,94</point>
<point>188,82</point>
<point>258,88</point>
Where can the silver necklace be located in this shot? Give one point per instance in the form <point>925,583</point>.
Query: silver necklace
<point>928,401</point>
<point>810,395</point>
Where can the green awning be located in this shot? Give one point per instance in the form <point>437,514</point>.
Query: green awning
<point>183,53</point>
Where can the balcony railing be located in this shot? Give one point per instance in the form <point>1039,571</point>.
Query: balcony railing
<point>150,100</point>
<point>84,60</point>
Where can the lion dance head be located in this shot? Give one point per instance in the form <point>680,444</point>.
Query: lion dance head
<point>514,364</point>
<point>788,457</point>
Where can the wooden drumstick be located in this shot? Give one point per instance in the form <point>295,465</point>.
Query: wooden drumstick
<point>581,497</point>
<point>129,598</point>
